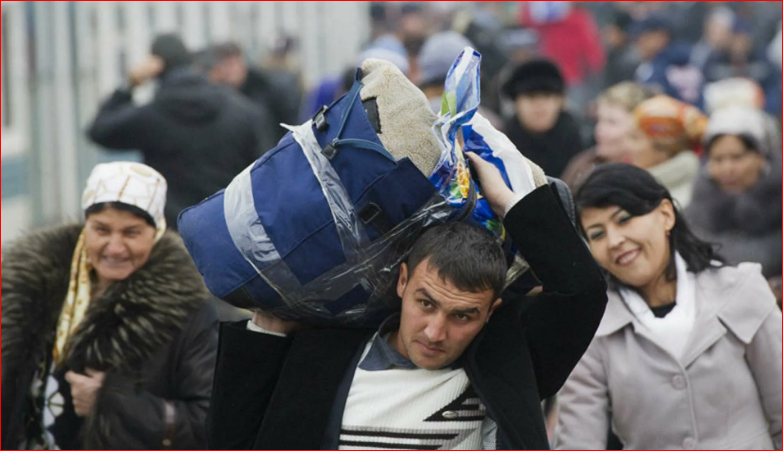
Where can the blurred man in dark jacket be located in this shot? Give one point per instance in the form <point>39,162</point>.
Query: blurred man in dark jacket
<point>666,65</point>
<point>199,136</point>
<point>277,92</point>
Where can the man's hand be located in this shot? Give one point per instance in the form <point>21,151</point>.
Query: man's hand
<point>493,187</point>
<point>271,323</point>
<point>150,68</point>
<point>84,390</point>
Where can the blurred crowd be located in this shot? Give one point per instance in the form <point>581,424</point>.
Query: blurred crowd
<point>578,84</point>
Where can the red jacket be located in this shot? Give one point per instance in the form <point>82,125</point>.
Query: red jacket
<point>574,43</point>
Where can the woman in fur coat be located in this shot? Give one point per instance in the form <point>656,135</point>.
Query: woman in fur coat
<point>739,204</point>
<point>107,341</point>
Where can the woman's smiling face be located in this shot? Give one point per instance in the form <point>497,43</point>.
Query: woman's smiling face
<point>118,243</point>
<point>634,249</point>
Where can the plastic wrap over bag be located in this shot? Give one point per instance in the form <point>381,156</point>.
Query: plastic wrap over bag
<point>372,266</point>
<point>461,129</point>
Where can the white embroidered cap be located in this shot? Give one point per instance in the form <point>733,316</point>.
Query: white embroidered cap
<point>128,183</point>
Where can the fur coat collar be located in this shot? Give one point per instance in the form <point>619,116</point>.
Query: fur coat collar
<point>133,319</point>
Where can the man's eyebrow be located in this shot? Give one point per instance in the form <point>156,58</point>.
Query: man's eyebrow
<point>423,292</point>
<point>467,311</point>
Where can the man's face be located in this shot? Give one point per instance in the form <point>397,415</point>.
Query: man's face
<point>439,321</point>
<point>650,43</point>
<point>538,112</point>
<point>231,71</point>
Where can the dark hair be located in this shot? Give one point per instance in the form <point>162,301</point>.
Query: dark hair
<point>97,208</point>
<point>636,191</point>
<point>533,77</point>
<point>227,50</point>
<point>470,257</point>
<point>170,48</point>
<point>748,141</point>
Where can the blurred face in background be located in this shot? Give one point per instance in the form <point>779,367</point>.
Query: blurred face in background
<point>614,36</point>
<point>741,45</point>
<point>538,112</point>
<point>612,131</point>
<point>231,71</point>
<point>717,31</point>
<point>413,32</point>
<point>733,166</point>
<point>642,151</point>
<point>650,43</point>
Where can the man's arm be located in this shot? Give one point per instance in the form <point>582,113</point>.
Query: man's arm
<point>561,322</point>
<point>248,367</point>
<point>121,125</point>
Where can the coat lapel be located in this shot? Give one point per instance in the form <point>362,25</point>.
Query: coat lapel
<point>509,389</point>
<point>302,406</point>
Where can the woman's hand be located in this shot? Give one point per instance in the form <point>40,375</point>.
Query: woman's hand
<point>493,187</point>
<point>84,390</point>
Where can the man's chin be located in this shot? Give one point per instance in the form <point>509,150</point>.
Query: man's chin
<point>430,364</point>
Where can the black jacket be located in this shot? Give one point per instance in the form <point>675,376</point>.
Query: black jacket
<point>199,136</point>
<point>276,393</point>
<point>152,334</point>
<point>551,150</point>
<point>276,92</point>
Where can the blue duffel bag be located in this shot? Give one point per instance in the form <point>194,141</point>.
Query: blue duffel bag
<point>316,228</point>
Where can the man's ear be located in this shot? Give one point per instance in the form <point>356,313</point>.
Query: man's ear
<point>402,282</point>
<point>494,307</point>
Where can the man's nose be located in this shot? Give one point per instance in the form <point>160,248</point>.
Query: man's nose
<point>436,329</point>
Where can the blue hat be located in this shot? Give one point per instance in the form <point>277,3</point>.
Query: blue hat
<point>650,24</point>
<point>438,55</point>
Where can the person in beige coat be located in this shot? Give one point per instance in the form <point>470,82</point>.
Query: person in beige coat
<point>688,355</point>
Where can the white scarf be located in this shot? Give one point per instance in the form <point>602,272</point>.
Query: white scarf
<point>672,331</point>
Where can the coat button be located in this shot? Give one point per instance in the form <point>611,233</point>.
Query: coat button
<point>449,415</point>
<point>679,382</point>
<point>689,443</point>
<point>167,443</point>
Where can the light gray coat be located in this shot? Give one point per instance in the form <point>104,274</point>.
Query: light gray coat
<point>725,393</point>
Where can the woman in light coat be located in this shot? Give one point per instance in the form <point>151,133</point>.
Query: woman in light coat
<point>688,355</point>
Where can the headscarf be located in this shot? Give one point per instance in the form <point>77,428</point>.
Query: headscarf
<point>128,183</point>
<point>671,125</point>
<point>740,121</point>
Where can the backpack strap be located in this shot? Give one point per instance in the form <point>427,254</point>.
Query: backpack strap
<point>331,149</point>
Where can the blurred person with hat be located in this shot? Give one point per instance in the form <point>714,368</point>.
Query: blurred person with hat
<point>435,61</point>
<point>541,128</point>
<point>196,134</point>
<point>738,190</point>
<point>108,342</point>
